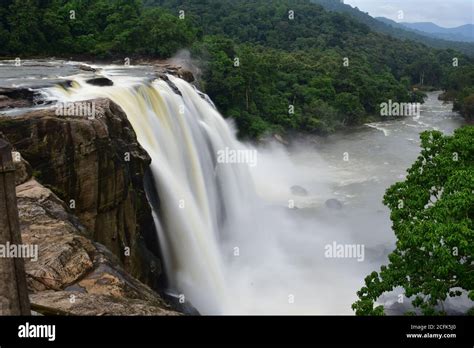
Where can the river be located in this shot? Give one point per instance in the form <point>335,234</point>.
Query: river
<point>356,167</point>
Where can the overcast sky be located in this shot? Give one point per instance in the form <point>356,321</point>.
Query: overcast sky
<point>446,13</point>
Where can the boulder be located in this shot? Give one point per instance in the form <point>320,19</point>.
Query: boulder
<point>100,81</point>
<point>334,204</point>
<point>86,68</point>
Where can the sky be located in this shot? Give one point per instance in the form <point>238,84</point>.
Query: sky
<point>445,13</point>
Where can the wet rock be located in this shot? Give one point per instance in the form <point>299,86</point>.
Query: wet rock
<point>186,75</point>
<point>16,98</point>
<point>165,78</point>
<point>100,81</point>
<point>9,103</point>
<point>334,204</point>
<point>18,93</point>
<point>65,84</point>
<point>87,68</point>
<point>298,190</point>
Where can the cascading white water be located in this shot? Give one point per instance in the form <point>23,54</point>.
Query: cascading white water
<point>227,249</point>
<point>201,200</point>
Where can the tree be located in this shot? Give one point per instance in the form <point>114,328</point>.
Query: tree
<point>54,23</point>
<point>25,34</point>
<point>163,34</point>
<point>468,107</point>
<point>432,213</point>
<point>349,105</point>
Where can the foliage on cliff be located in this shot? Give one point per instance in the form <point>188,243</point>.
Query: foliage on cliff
<point>433,219</point>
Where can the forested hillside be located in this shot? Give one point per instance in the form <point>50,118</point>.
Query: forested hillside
<point>300,62</point>
<point>463,33</point>
<point>278,65</point>
<point>96,28</point>
<point>389,27</point>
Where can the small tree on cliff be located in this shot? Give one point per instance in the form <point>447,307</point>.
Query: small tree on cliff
<point>432,213</point>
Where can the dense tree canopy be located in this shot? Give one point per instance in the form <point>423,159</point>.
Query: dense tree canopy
<point>433,219</point>
<point>280,65</point>
<point>460,88</point>
<point>101,29</point>
<point>297,50</point>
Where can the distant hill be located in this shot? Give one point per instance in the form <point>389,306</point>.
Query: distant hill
<point>394,29</point>
<point>461,33</point>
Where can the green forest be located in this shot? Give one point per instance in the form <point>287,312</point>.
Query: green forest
<point>273,66</point>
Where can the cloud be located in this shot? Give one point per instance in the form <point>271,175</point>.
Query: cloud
<point>446,13</point>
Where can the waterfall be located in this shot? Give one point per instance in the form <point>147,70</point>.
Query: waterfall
<point>201,199</point>
<point>229,241</point>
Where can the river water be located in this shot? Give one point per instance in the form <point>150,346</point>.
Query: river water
<point>356,167</point>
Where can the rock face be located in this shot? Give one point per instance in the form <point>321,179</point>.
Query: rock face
<point>72,274</point>
<point>16,98</point>
<point>97,167</point>
<point>59,303</point>
<point>23,171</point>
<point>162,68</point>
